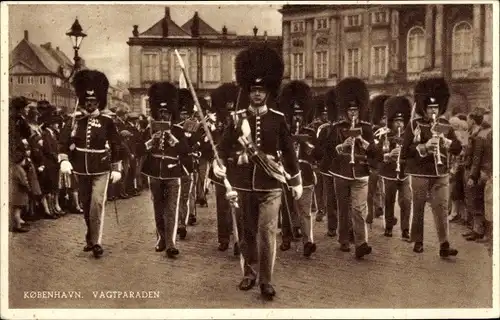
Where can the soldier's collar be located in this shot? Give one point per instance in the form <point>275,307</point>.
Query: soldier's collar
<point>258,111</point>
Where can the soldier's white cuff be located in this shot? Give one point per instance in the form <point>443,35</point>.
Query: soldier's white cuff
<point>365,143</point>
<point>422,150</point>
<point>387,157</point>
<point>117,166</point>
<point>447,143</point>
<point>62,157</point>
<point>296,180</point>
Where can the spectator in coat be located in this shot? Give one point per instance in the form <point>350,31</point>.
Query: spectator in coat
<point>20,190</point>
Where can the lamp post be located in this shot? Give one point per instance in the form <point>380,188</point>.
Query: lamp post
<point>76,35</point>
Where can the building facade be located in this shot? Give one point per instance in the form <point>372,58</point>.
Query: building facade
<point>391,47</point>
<point>208,55</point>
<point>37,72</point>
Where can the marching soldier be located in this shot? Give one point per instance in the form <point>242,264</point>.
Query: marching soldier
<point>83,151</point>
<point>250,150</point>
<point>323,133</point>
<point>224,100</point>
<point>352,148</point>
<point>427,143</point>
<point>295,102</point>
<point>166,157</point>
<point>376,200</point>
<point>392,169</point>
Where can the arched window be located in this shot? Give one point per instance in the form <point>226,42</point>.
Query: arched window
<point>415,53</point>
<point>462,46</point>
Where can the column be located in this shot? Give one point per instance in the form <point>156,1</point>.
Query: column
<point>286,49</point>
<point>334,49</point>
<point>365,45</point>
<point>440,41</point>
<point>429,36</point>
<point>488,34</point>
<point>477,36</point>
<point>135,66</point>
<point>309,50</point>
<point>165,65</point>
<point>394,47</point>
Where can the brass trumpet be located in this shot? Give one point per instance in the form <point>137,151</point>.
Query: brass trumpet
<point>435,134</point>
<point>353,125</point>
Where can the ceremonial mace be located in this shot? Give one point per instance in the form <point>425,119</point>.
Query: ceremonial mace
<point>231,195</point>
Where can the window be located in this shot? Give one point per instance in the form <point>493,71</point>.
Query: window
<point>43,96</point>
<point>353,20</point>
<point>380,17</point>
<point>415,50</point>
<point>42,80</point>
<point>321,65</point>
<point>297,66</point>
<point>352,63</point>
<point>462,46</point>
<point>211,68</point>
<point>321,24</point>
<point>379,61</point>
<point>177,68</point>
<point>298,26</point>
<point>150,67</point>
<point>20,80</point>
<point>31,80</point>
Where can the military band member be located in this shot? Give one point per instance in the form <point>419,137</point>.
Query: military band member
<point>353,148</point>
<point>428,141</point>
<point>224,100</point>
<point>392,169</point>
<point>259,72</point>
<point>295,102</point>
<point>166,157</point>
<point>83,151</point>
<point>320,154</point>
<point>375,190</point>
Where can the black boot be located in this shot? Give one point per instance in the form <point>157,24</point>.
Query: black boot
<point>98,251</point>
<point>388,232</point>
<point>445,250</point>
<point>309,249</point>
<point>182,233</point>
<point>247,284</point>
<point>267,291</point>
<point>172,252</point>
<point>285,245</point>
<point>406,234</point>
<point>363,250</point>
<point>223,246</point>
<point>418,247</point>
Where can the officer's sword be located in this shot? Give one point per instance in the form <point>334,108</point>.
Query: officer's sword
<point>231,195</point>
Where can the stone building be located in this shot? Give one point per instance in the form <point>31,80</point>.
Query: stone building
<point>392,46</point>
<point>37,72</point>
<point>207,53</point>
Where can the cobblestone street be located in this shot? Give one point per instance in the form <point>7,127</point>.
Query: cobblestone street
<point>50,257</point>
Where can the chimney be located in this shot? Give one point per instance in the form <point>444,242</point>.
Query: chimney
<point>164,26</point>
<point>48,45</point>
<point>57,48</point>
<point>135,32</point>
<point>195,27</point>
<point>265,35</point>
<point>255,29</point>
<point>224,30</point>
<point>26,35</point>
<point>167,13</point>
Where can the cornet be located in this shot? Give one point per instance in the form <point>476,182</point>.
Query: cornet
<point>353,125</point>
<point>436,135</point>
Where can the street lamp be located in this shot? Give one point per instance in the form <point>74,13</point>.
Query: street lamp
<point>76,35</point>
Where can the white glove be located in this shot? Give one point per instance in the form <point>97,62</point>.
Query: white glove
<point>66,167</point>
<point>245,128</point>
<point>297,192</point>
<point>219,171</point>
<point>115,176</point>
<point>41,168</point>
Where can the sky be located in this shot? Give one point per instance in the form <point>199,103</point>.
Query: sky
<point>108,27</point>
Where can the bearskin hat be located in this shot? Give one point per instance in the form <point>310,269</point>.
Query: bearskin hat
<point>163,95</point>
<point>352,92</point>
<point>225,98</point>
<point>186,101</point>
<point>91,84</point>
<point>259,66</point>
<point>398,108</point>
<point>331,104</point>
<point>19,103</point>
<point>376,107</point>
<point>296,97</point>
<point>432,91</point>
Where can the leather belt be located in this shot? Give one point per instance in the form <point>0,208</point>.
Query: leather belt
<point>91,150</point>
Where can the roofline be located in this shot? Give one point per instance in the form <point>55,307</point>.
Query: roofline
<point>222,41</point>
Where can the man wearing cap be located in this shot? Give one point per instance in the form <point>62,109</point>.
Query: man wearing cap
<point>351,148</point>
<point>392,169</point>
<point>428,142</point>
<point>166,157</point>
<point>83,151</point>
<point>131,182</point>
<point>259,71</point>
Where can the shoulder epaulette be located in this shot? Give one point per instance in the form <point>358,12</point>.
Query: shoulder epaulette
<point>106,115</point>
<point>365,122</point>
<point>276,111</point>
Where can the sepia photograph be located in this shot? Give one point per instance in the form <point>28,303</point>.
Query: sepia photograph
<point>249,160</point>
